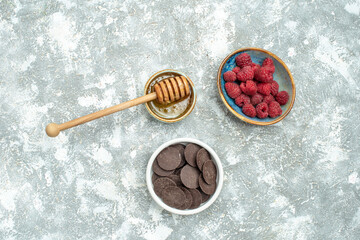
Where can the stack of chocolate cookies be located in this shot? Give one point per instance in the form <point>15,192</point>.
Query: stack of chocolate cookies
<point>184,176</point>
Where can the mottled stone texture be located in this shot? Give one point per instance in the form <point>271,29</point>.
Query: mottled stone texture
<point>298,179</point>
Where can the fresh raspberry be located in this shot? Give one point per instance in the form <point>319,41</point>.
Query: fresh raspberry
<point>232,89</point>
<point>274,109</point>
<point>262,110</point>
<point>243,60</point>
<point>274,88</point>
<point>271,69</point>
<point>229,76</point>
<point>236,70</point>
<point>264,88</point>
<point>249,87</point>
<point>256,99</point>
<point>242,99</point>
<point>267,62</point>
<point>255,66</point>
<point>246,73</point>
<point>268,99</point>
<point>243,86</point>
<point>249,110</point>
<point>282,97</point>
<point>263,74</point>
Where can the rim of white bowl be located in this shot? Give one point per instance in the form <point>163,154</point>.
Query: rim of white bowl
<point>220,176</point>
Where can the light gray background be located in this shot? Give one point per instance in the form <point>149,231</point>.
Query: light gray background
<point>299,179</point>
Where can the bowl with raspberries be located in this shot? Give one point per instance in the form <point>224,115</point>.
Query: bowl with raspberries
<point>256,86</point>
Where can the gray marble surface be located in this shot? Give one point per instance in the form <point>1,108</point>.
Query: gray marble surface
<point>298,179</point>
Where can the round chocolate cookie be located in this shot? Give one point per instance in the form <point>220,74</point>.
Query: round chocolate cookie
<point>159,171</point>
<point>188,200</point>
<point>204,197</point>
<point>154,177</point>
<point>161,183</point>
<point>206,188</point>
<point>190,153</point>
<point>201,157</point>
<point>176,179</point>
<point>169,158</point>
<point>196,195</point>
<point>173,196</point>
<point>181,149</point>
<point>190,176</point>
<point>209,172</point>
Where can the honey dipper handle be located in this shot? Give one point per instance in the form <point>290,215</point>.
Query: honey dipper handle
<point>53,129</point>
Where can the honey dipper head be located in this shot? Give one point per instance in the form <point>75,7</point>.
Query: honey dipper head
<point>172,89</point>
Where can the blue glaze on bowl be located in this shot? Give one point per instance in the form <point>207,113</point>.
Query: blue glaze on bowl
<point>281,76</point>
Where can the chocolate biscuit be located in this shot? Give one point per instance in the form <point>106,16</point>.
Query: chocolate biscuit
<point>181,149</point>
<point>161,183</point>
<point>209,172</point>
<point>169,158</point>
<point>202,156</point>
<point>173,196</point>
<point>196,195</point>
<point>188,200</point>
<point>190,176</point>
<point>208,189</point>
<point>159,171</point>
<point>190,153</point>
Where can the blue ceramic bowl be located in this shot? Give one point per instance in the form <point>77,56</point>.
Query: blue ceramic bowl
<point>282,75</point>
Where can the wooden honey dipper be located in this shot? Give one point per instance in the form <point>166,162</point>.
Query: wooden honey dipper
<point>166,91</point>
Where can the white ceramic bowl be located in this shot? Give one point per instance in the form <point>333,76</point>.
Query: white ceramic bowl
<point>219,179</point>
